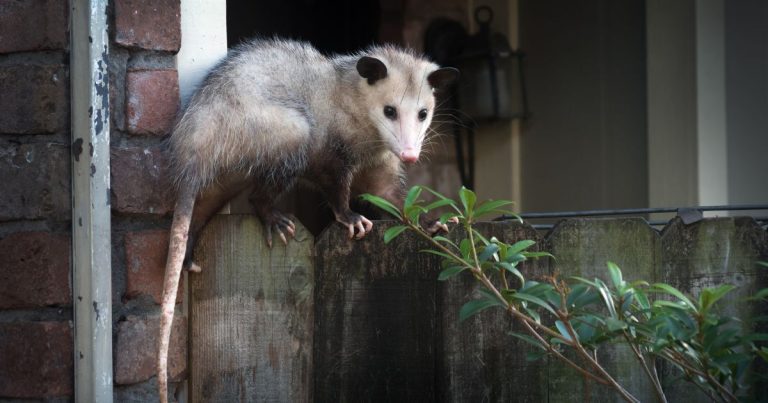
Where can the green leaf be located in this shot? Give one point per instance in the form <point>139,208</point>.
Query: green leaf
<point>413,213</point>
<point>577,291</point>
<point>533,314</point>
<point>490,207</point>
<point>411,197</point>
<point>607,298</point>
<point>516,258</point>
<point>487,252</point>
<point>537,255</point>
<point>439,203</point>
<point>450,272</point>
<point>761,263</point>
<point>441,238</point>
<point>480,236</point>
<point>585,281</point>
<point>760,295</point>
<point>475,306</point>
<point>465,246</point>
<point>563,330</point>
<point>520,246</point>
<point>668,289</point>
<point>512,269</point>
<point>521,296</point>
<point>709,296</point>
<point>468,199</point>
<point>441,197</point>
<point>393,232</point>
<point>615,324</point>
<point>532,356</point>
<point>615,272</point>
<point>763,353</point>
<point>528,339</point>
<point>669,304</point>
<point>382,204</point>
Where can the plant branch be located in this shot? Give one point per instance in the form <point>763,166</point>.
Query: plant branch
<point>651,375</point>
<point>580,349</point>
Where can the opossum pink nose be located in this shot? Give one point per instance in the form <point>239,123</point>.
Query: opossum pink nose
<point>409,156</point>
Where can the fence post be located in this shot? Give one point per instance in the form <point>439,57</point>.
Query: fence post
<point>709,253</point>
<point>582,248</point>
<point>376,322</point>
<point>251,315</point>
<point>479,360</point>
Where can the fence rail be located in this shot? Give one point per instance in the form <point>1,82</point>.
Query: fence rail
<point>334,320</point>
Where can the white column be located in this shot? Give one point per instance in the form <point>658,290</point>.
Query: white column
<point>203,42</point>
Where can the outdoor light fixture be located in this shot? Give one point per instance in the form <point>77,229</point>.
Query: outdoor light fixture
<point>491,86</point>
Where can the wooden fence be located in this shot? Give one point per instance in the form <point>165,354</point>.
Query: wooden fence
<point>334,320</point>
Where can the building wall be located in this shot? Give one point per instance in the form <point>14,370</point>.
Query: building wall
<point>36,330</point>
<point>36,351</point>
<point>584,147</point>
<point>746,80</point>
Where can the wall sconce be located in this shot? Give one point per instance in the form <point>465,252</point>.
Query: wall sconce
<point>491,86</point>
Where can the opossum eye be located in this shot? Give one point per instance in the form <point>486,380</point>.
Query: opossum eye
<point>390,112</point>
<point>422,115</point>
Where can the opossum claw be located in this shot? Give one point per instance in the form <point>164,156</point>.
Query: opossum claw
<point>268,234</point>
<point>357,225</point>
<point>276,221</point>
<point>436,227</point>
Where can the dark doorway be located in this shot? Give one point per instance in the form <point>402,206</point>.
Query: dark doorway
<point>332,26</point>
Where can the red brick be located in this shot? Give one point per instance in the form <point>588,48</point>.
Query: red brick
<point>36,359</point>
<point>33,25</point>
<point>152,99</point>
<point>136,350</point>
<point>34,99</point>
<point>35,181</point>
<point>35,270</point>
<point>140,181</point>
<point>145,255</point>
<point>152,25</point>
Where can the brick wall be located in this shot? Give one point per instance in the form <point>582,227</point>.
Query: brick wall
<point>36,330</point>
<point>144,94</point>
<point>36,352</point>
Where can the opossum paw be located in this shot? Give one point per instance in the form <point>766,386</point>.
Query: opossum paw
<point>435,227</point>
<point>357,225</point>
<point>280,224</point>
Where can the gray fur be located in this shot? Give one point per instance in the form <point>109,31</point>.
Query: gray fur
<point>270,103</point>
<point>275,111</point>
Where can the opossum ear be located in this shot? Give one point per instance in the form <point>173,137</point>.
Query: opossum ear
<point>443,77</point>
<point>371,68</point>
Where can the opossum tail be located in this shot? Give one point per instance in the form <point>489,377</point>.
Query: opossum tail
<point>182,217</point>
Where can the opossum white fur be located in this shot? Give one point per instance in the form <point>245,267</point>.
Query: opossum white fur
<point>275,111</point>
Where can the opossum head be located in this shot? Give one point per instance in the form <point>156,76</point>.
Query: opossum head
<point>398,91</point>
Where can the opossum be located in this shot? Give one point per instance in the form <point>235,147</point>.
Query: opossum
<point>274,111</point>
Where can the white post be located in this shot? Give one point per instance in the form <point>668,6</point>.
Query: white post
<point>91,229</point>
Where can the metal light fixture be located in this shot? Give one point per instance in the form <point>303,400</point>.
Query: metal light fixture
<point>491,86</point>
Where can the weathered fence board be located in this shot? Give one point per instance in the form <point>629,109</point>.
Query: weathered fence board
<point>351,321</point>
<point>582,248</point>
<point>376,322</point>
<point>709,253</point>
<point>481,362</point>
<point>251,315</point>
